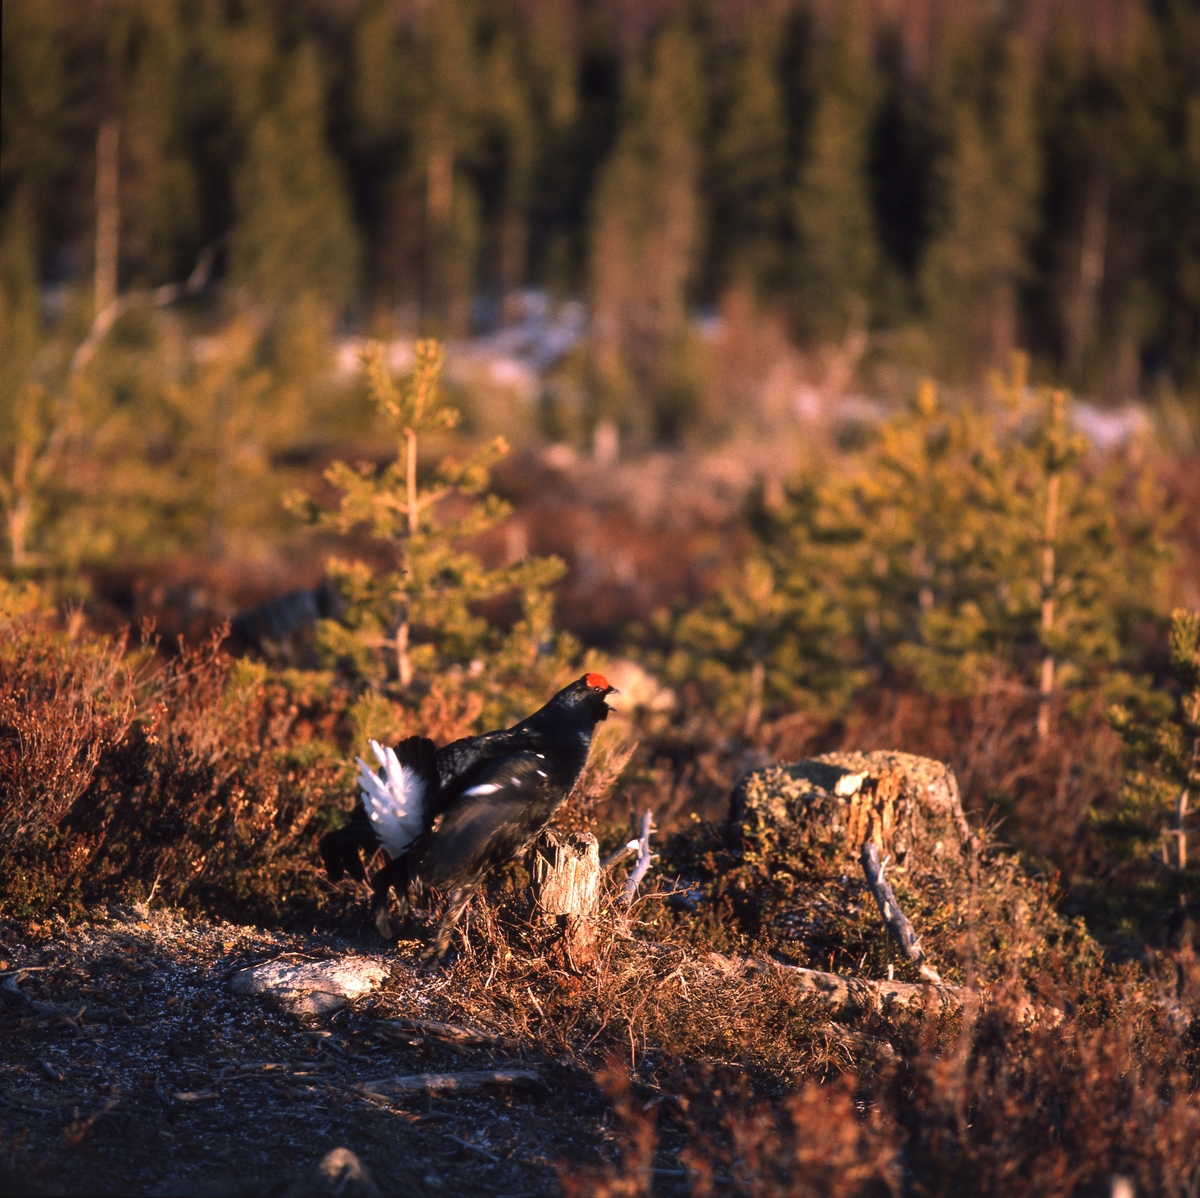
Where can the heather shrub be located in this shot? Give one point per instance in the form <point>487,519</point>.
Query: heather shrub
<point>1008,1105</point>
<point>64,705</point>
<point>200,780</point>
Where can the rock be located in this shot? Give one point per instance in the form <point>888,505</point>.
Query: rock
<point>338,1173</point>
<point>830,805</point>
<point>309,988</point>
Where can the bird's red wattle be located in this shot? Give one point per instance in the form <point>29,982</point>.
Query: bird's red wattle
<point>596,680</point>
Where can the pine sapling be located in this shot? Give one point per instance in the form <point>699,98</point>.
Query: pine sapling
<point>1163,745</point>
<point>412,629</point>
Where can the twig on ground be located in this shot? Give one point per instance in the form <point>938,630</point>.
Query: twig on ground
<point>9,985</point>
<point>852,995</point>
<point>476,1148</point>
<point>405,1029</point>
<point>452,1083</point>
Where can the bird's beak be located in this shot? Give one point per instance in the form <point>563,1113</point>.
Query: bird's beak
<point>612,690</point>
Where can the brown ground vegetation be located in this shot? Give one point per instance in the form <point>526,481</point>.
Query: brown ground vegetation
<point>200,784</point>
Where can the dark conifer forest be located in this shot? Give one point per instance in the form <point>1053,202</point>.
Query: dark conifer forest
<point>968,179</point>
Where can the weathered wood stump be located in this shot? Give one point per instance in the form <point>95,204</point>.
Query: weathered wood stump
<point>566,888</point>
<point>886,814</point>
<point>908,806</point>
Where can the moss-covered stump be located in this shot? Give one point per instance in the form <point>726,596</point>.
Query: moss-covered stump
<point>782,875</point>
<point>908,805</point>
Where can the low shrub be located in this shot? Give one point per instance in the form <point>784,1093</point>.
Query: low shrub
<point>1009,1107</point>
<point>199,779</point>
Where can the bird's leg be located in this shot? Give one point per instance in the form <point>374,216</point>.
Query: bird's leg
<point>456,904</point>
<point>397,873</point>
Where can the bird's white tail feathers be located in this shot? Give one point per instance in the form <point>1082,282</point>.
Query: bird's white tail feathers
<point>395,801</point>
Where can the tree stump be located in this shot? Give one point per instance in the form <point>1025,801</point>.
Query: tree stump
<point>908,806</point>
<point>566,889</point>
<point>895,817</point>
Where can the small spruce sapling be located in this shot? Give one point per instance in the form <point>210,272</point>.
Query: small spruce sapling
<point>1162,749</point>
<point>411,627</point>
<point>961,545</point>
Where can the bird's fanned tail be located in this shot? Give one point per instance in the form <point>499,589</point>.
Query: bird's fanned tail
<point>397,797</point>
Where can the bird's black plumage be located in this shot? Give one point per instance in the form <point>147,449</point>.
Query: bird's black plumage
<point>489,796</point>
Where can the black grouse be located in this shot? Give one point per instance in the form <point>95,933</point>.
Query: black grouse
<point>448,817</point>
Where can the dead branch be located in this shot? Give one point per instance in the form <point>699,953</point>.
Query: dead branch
<point>453,1083</point>
<point>405,1029</point>
<point>8,987</point>
<point>642,866</point>
<point>889,908</point>
<point>624,851</point>
<point>159,297</point>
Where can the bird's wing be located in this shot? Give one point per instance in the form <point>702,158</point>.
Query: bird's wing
<point>395,798</point>
<point>461,759</point>
<point>488,821</point>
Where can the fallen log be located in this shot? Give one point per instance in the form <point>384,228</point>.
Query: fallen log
<point>853,996</point>
<point>453,1083</point>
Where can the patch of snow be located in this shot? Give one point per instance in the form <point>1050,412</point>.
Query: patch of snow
<point>1108,428</point>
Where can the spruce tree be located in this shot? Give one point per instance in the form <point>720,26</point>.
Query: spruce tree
<point>986,187</point>
<point>644,241</point>
<point>509,132</point>
<point>447,98</point>
<point>834,222</point>
<point>159,195</point>
<point>413,628</point>
<point>294,235</point>
<point>749,163</point>
<point>1162,748</point>
<point>35,108</point>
